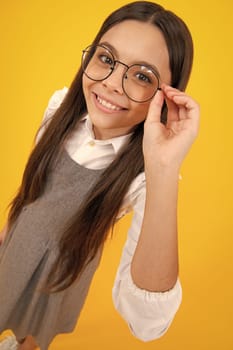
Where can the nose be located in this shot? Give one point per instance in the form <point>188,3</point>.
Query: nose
<point>114,81</point>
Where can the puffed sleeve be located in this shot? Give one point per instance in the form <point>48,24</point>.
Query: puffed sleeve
<point>148,314</point>
<point>53,104</point>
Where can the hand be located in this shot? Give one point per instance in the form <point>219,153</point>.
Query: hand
<point>167,145</point>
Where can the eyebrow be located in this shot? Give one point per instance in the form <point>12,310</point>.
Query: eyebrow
<point>143,63</point>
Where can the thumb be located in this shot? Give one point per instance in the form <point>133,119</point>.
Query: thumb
<point>155,108</point>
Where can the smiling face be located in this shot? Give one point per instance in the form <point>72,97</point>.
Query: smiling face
<point>111,111</point>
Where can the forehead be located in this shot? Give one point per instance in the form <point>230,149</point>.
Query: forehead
<point>138,41</point>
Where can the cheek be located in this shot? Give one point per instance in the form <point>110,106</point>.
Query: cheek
<point>86,83</point>
<point>141,111</point>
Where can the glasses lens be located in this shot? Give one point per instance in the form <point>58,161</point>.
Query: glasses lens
<point>97,62</point>
<point>140,83</point>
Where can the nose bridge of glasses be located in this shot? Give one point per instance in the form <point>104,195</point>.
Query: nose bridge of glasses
<point>119,63</point>
<point>117,75</point>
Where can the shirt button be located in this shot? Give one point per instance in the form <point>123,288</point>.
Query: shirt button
<point>91,143</point>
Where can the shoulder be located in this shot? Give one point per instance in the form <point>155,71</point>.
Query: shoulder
<point>55,100</point>
<point>53,104</point>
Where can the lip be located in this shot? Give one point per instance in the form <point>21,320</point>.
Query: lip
<point>105,108</point>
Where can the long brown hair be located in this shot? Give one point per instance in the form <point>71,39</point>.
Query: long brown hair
<point>88,230</point>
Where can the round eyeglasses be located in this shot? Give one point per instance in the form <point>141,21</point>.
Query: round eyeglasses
<point>139,82</point>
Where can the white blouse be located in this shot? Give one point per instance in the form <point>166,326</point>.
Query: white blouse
<point>148,314</point>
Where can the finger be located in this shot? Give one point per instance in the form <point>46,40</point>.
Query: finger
<point>154,112</point>
<point>172,110</point>
<point>168,88</point>
<point>180,98</point>
<point>186,102</point>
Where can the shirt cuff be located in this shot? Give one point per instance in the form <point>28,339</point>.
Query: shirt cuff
<point>151,296</point>
<point>148,314</point>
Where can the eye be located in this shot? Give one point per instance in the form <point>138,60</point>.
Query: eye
<point>106,59</point>
<point>143,78</point>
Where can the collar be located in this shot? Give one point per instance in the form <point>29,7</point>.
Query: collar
<point>116,142</point>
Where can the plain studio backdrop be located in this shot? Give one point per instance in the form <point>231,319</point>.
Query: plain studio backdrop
<point>41,43</point>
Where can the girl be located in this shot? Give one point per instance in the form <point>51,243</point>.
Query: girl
<point>113,142</point>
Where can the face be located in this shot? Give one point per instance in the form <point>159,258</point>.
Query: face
<point>111,111</point>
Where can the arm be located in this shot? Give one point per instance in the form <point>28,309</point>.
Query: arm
<point>155,262</point>
<point>148,314</point>
<point>147,292</point>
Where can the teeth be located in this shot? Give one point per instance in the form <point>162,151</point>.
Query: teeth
<point>108,104</point>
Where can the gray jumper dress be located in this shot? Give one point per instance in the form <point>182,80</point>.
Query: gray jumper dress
<point>30,250</point>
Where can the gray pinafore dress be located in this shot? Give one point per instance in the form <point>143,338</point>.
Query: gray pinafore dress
<point>29,251</point>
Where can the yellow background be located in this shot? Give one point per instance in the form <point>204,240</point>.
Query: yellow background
<point>40,43</point>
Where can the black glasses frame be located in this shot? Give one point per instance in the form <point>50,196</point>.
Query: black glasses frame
<point>124,76</point>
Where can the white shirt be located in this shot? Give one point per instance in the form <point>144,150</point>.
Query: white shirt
<point>148,314</point>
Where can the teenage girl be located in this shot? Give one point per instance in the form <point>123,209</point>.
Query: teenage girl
<point>113,142</point>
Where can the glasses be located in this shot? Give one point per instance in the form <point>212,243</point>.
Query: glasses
<point>139,82</point>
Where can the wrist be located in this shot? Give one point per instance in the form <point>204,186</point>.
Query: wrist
<point>162,170</point>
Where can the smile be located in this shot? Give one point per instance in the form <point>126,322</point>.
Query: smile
<point>108,104</point>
